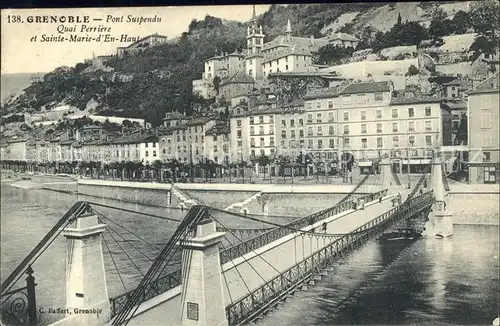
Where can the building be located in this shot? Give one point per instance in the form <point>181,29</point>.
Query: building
<point>343,40</point>
<point>174,118</point>
<point>289,59</point>
<point>239,84</point>
<point>224,65</point>
<point>217,143</point>
<point>321,124</point>
<point>290,129</point>
<point>484,143</point>
<point>141,44</point>
<point>255,43</point>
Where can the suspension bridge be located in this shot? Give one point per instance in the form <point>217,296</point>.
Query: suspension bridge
<point>208,272</point>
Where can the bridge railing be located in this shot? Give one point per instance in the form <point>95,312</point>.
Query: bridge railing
<point>254,303</point>
<point>277,233</point>
<point>154,288</point>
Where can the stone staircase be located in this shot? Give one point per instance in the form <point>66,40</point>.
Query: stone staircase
<point>243,206</point>
<point>183,200</point>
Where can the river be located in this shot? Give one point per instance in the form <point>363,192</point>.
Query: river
<point>429,281</point>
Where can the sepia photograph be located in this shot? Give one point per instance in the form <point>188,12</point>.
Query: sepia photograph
<point>255,164</point>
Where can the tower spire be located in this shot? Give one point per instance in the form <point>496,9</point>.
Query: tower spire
<point>288,31</point>
<point>254,16</point>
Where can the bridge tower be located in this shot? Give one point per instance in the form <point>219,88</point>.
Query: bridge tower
<point>443,217</point>
<point>202,300</point>
<point>86,286</point>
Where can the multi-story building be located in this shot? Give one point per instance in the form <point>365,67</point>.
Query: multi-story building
<point>290,129</point>
<point>239,127</point>
<point>484,143</point>
<point>16,150</point>
<point>217,143</point>
<point>321,130</point>
<point>239,84</point>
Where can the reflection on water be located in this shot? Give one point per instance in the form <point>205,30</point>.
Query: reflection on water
<point>428,281</point>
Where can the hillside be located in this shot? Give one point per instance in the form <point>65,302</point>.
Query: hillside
<point>11,84</point>
<point>159,79</point>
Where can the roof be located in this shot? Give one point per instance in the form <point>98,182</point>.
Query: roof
<point>222,56</point>
<point>218,129</point>
<point>489,85</point>
<point>454,82</point>
<point>174,116</point>
<point>136,138</point>
<point>286,52</point>
<point>459,104</point>
<point>198,121</point>
<point>326,92</point>
<point>239,77</point>
<point>367,87</point>
<point>342,37</point>
<point>282,40</point>
<point>415,100</point>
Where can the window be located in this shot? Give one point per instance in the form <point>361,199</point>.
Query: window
<point>301,133</point>
<point>320,143</point>
<point>428,126</point>
<point>318,117</point>
<point>252,142</point>
<point>309,131</point>
<point>251,120</point>
<point>331,130</point>
<point>379,97</point>
<point>363,115</point>
<point>347,142</point>
<point>271,141</point>
<point>310,117</point>
<point>485,138</point>
<point>261,119</point>
<point>318,105</point>
<point>240,143</point>
<point>271,119</point>
<point>485,119</point>
<point>147,153</point>
<point>146,145</point>
<point>346,99</point>
<point>346,130</point>
<point>330,104</point>
<point>301,122</point>
<point>428,140</point>
<point>364,143</point>
<point>411,140</point>
<point>292,133</point>
<point>238,123</point>
<point>395,127</point>
<point>331,143</point>
<point>309,143</point>
<point>292,123</point>
<point>361,98</point>
<point>411,126</point>
<point>379,114</point>
<point>261,130</point>
<point>411,112</point>
<point>215,138</point>
<point>395,141</point>
<point>486,156</point>
<point>283,134</point>
<point>379,142</point>
<point>489,174</point>
<point>252,131</point>
<point>262,152</point>
<point>262,142</point>
<point>309,105</point>
<point>346,115</point>
<point>379,127</point>
<point>330,116</point>
<point>394,113</point>
<point>283,123</point>
<point>238,133</point>
<point>320,130</point>
<point>428,111</point>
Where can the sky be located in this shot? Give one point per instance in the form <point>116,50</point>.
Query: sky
<point>21,54</point>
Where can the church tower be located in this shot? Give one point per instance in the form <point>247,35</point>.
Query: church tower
<point>255,42</point>
<point>288,32</point>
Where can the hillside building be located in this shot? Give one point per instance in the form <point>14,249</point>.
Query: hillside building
<point>141,44</point>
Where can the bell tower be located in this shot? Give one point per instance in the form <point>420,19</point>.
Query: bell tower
<point>255,42</point>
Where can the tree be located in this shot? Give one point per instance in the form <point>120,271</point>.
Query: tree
<point>484,17</point>
<point>264,161</point>
<point>216,83</point>
<point>157,165</point>
<point>127,123</point>
<point>412,71</point>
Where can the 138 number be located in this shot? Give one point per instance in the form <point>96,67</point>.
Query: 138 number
<point>14,19</point>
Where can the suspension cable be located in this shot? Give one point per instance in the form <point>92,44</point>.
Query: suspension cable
<point>125,252</point>
<point>136,212</point>
<point>237,271</point>
<point>114,263</point>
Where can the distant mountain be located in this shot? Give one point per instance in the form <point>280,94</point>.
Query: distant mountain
<point>14,83</point>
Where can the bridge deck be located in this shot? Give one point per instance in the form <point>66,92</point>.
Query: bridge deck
<point>343,224</point>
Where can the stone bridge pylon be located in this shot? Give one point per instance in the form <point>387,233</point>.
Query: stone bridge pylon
<point>441,217</point>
